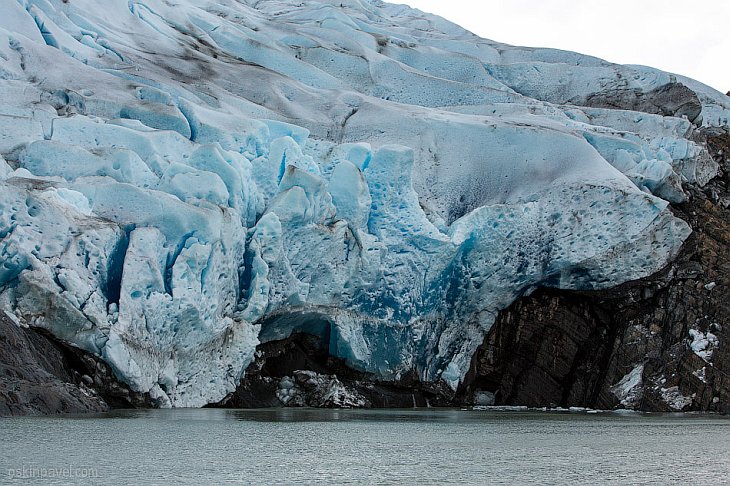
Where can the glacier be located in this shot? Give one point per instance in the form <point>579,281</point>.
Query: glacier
<point>182,181</point>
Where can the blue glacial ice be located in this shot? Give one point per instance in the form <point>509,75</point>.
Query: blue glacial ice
<point>179,183</point>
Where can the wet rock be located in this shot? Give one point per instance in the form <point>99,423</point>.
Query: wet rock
<point>36,378</point>
<point>312,389</point>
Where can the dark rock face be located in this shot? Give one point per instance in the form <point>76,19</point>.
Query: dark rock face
<point>673,99</point>
<point>40,376</point>
<point>557,348</point>
<point>35,376</point>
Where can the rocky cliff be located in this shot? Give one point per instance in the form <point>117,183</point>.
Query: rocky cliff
<point>656,344</point>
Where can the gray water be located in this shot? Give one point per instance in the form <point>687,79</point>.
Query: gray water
<point>287,446</point>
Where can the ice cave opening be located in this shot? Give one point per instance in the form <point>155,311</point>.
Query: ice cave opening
<point>308,336</point>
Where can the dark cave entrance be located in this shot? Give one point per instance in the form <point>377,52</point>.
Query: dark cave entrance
<point>305,341</point>
<point>298,341</point>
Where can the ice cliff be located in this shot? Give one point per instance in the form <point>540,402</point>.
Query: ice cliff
<point>181,181</point>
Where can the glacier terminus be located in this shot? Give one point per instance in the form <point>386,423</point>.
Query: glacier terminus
<point>182,181</point>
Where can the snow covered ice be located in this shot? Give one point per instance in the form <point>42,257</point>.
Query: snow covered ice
<point>182,181</point>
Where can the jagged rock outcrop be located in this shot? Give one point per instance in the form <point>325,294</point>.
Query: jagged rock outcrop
<point>300,371</point>
<point>37,378</point>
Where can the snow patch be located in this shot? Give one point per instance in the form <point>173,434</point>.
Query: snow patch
<point>629,390</point>
<point>703,344</point>
<point>674,398</point>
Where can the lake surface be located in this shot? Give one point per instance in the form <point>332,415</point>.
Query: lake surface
<point>286,446</point>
